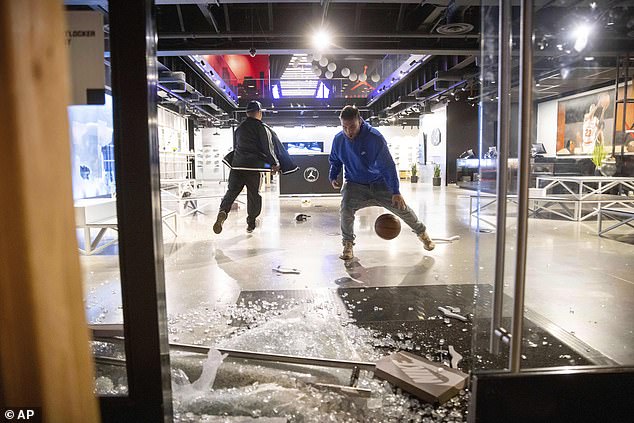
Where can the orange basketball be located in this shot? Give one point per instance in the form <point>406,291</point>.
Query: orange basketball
<point>387,226</point>
<point>604,101</point>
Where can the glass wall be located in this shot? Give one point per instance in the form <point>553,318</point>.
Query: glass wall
<point>578,275</point>
<point>94,193</point>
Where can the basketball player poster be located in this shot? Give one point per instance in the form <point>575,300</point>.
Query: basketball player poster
<point>584,121</point>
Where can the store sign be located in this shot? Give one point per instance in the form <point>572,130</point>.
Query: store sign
<point>311,174</point>
<point>85,41</point>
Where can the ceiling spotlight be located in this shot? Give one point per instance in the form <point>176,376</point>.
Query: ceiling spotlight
<point>375,77</point>
<point>323,61</point>
<point>581,35</point>
<point>321,40</point>
<point>332,67</point>
<point>329,74</point>
<point>318,72</point>
<point>353,76</point>
<point>363,77</point>
<point>317,57</point>
<point>345,72</point>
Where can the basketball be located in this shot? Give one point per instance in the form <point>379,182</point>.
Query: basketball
<point>387,226</point>
<point>604,101</point>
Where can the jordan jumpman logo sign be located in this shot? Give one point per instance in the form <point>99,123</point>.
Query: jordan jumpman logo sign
<point>362,83</point>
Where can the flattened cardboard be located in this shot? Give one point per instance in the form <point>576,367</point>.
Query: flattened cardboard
<point>429,381</point>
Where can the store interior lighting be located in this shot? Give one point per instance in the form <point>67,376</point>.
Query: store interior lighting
<point>581,35</point>
<point>321,40</point>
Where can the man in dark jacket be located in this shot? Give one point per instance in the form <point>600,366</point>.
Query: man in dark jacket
<point>371,178</point>
<point>256,149</point>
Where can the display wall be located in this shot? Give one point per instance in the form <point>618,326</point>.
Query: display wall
<point>563,119</point>
<point>92,150</point>
<point>405,145</point>
<point>435,153</point>
<point>215,144</point>
<point>462,134</point>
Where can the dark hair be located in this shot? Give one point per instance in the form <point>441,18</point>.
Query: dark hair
<point>567,144</point>
<point>349,113</point>
<point>253,113</point>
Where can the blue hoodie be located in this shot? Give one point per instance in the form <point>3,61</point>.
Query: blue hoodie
<point>366,158</point>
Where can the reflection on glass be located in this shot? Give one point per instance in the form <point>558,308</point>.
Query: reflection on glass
<point>94,190</point>
<point>577,282</point>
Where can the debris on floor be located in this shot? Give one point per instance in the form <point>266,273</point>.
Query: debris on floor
<point>423,378</point>
<point>286,270</point>
<point>301,217</point>
<point>314,327</point>
<point>452,312</point>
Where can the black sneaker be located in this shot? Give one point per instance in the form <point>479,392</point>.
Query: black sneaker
<point>222,216</point>
<point>250,226</point>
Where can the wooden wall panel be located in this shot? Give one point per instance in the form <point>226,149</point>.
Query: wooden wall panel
<point>44,353</point>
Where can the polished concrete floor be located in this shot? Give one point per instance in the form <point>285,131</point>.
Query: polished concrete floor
<point>579,286</point>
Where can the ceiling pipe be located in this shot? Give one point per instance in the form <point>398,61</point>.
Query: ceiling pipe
<point>213,35</point>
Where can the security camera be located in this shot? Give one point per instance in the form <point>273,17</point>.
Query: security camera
<point>252,52</point>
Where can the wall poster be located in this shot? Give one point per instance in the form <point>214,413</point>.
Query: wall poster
<point>584,121</point>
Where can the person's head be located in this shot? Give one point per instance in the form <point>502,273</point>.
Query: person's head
<point>350,121</point>
<point>593,108</point>
<point>254,110</point>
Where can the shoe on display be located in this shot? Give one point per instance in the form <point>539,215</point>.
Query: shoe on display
<point>428,244</point>
<point>347,253</point>
<point>222,216</point>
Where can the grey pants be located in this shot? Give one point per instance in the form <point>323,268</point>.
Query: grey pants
<point>358,196</point>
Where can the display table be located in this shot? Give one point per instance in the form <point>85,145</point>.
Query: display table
<point>101,214</point>
<point>578,207</point>
<point>585,187</point>
<point>482,173</point>
<point>311,178</point>
<point>622,216</point>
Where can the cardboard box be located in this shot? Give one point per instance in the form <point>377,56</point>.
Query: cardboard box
<point>432,382</point>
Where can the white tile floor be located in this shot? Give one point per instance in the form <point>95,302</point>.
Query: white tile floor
<point>581,283</point>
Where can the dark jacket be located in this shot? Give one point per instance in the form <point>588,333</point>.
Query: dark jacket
<point>256,147</point>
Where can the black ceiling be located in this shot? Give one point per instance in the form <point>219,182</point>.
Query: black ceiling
<point>374,29</point>
<point>284,27</point>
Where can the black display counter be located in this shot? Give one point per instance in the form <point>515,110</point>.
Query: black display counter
<point>474,173</point>
<point>311,178</point>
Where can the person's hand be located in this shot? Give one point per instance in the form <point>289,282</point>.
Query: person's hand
<point>336,184</point>
<point>274,170</point>
<point>398,201</point>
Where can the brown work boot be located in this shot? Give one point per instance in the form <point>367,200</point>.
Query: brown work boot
<point>428,244</point>
<point>347,253</point>
<point>222,216</point>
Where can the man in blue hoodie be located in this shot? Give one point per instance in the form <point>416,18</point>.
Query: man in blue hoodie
<point>370,178</point>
